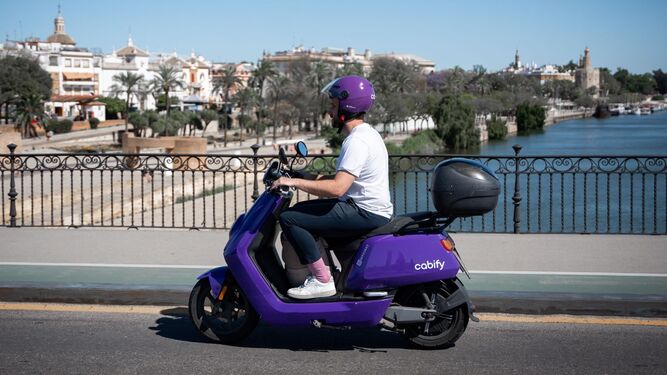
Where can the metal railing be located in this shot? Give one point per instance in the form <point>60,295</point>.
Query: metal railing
<point>539,194</point>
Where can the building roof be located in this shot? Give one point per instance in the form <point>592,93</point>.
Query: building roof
<point>74,98</point>
<point>131,51</point>
<point>60,38</point>
<point>193,61</point>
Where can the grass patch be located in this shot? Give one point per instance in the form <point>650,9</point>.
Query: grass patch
<point>204,193</point>
<point>90,149</point>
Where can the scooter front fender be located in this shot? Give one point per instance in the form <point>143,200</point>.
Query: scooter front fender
<point>216,278</point>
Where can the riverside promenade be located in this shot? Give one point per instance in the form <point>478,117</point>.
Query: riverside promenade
<point>525,273</point>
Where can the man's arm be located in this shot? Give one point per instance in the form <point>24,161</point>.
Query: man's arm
<point>324,186</point>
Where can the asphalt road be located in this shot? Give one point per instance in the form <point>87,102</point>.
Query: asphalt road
<point>78,342</point>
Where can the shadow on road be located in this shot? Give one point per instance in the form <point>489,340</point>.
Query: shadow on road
<point>175,324</point>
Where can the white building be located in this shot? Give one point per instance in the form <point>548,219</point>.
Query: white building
<point>195,73</point>
<point>339,58</point>
<point>74,72</point>
<point>544,73</point>
<point>129,59</point>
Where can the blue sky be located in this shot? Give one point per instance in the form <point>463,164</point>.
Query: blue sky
<point>631,34</point>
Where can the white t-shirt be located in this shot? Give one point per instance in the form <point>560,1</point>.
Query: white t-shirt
<point>364,155</point>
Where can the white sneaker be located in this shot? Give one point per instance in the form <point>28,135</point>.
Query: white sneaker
<point>312,288</point>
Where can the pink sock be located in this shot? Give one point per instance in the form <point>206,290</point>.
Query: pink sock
<point>320,271</point>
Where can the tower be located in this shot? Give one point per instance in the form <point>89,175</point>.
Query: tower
<point>517,60</point>
<point>587,77</point>
<point>587,59</point>
<point>59,35</point>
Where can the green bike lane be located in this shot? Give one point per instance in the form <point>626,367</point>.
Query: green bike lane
<point>531,273</point>
<point>608,294</point>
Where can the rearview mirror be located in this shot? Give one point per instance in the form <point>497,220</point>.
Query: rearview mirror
<point>301,149</point>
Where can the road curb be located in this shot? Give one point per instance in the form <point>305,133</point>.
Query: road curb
<point>496,302</point>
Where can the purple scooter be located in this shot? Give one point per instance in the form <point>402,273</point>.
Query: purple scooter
<point>401,276</point>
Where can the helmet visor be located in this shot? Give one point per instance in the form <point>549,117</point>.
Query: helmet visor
<point>334,90</point>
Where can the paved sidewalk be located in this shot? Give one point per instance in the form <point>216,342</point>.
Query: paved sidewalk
<point>528,273</point>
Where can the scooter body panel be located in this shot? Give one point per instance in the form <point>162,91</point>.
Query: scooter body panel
<point>389,262</point>
<point>262,297</point>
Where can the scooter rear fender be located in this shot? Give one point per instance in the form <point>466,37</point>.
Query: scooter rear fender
<point>216,278</point>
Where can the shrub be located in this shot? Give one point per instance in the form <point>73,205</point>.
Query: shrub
<point>59,126</point>
<point>393,148</point>
<point>94,122</point>
<point>658,97</point>
<point>529,116</point>
<point>425,142</point>
<point>497,128</point>
<point>333,137</point>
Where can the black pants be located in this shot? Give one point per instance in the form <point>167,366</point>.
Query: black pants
<point>327,218</point>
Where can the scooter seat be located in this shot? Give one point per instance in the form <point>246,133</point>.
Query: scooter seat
<point>351,244</point>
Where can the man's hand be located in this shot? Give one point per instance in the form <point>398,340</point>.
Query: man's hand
<point>284,181</point>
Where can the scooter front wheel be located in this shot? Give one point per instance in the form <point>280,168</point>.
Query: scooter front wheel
<point>226,321</point>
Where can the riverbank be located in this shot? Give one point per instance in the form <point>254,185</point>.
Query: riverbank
<point>556,116</point>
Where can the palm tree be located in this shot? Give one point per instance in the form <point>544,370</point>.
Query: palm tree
<point>224,83</point>
<point>277,93</point>
<point>127,83</point>
<point>144,90</point>
<point>246,99</point>
<point>166,80</point>
<point>265,70</point>
<point>29,108</point>
<point>320,74</point>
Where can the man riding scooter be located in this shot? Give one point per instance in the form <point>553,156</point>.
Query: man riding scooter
<point>357,198</point>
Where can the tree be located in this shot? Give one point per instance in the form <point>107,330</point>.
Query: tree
<point>333,137</point>
<point>264,72</point>
<point>139,122</point>
<point>661,81</point>
<point>246,100</point>
<point>113,106</point>
<point>353,69</point>
<point>166,126</point>
<point>166,80</point>
<point>277,91</point>
<point>20,78</point>
<point>455,123</point>
<point>608,84</point>
<point>224,84</point>
<point>127,83</point>
<point>30,114</point>
<point>320,74</point>
<point>529,117</point>
<point>497,128</point>
<point>207,116</point>
<point>638,83</point>
<point>570,66</point>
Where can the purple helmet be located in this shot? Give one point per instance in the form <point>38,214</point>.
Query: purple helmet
<point>355,95</point>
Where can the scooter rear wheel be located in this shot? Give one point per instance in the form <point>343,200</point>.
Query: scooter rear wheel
<point>446,328</point>
<point>227,321</point>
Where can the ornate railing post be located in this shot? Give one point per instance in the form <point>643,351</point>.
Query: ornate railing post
<point>255,188</point>
<point>517,196</point>
<point>12,186</point>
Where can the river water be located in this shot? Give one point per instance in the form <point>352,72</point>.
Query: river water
<point>570,195</point>
<point>628,135</point>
